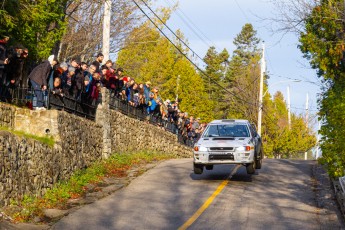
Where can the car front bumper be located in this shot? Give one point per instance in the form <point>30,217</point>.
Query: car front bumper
<point>208,158</point>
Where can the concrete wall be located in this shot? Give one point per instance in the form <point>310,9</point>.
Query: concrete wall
<point>30,167</point>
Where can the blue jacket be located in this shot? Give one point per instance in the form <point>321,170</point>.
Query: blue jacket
<point>152,107</point>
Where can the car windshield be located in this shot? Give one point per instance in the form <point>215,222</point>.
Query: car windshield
<point>228,130</point>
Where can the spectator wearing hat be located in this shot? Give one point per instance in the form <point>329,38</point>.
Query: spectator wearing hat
<point>98,61</point>
<point>38,78</point>
<point>64,67</point>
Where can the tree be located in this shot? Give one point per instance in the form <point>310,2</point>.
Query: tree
<point>279,140</point>
<point>83,37</point>
<point>38,25</point>
<point>216,66</point>
<point>242,77</point>
<point>322,43</point>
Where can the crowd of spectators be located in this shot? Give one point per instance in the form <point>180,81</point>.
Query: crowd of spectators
<point>82,82</point>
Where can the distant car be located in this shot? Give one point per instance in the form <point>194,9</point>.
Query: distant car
<point>228,142</point>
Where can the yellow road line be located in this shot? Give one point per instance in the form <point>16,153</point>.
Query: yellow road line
<point>198,213</point>
<point>204,206</point>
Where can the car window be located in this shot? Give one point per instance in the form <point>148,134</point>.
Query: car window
<point>227,130</point>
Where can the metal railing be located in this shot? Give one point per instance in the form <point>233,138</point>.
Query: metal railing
<point>25,97</point>
<point>140,113</point>
<point>18,96</point>
<point>71,105</point>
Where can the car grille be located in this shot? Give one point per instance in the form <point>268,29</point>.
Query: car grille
<point>221,157</point>
<point>221,148</point>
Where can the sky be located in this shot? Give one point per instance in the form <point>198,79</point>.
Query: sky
<point>216,23</point>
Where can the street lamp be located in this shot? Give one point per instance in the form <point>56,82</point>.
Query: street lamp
<point>261,102</point>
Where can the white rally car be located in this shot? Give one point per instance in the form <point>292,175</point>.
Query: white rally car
<point>228,142</point>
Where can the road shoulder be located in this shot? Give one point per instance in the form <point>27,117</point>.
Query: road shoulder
<point>329,215</point>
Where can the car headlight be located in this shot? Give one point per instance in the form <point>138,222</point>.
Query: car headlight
<point>242,148</point>
<point>200,148</point>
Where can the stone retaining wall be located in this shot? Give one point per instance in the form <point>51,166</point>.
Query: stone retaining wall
<point>30,167</point>
<point>128,134</point>
<point>7,114</point>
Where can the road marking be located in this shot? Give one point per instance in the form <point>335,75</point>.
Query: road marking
<point>209,201</point>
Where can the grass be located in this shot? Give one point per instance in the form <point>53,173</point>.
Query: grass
<point>44,140</point>
<point>115,166</point>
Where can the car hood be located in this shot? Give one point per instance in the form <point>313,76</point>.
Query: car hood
<point>223,142</point>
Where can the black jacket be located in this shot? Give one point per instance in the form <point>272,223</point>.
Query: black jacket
<point>2,54</point>
<point>40,73</point>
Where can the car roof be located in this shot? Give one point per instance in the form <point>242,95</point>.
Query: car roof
<point>228,121</point>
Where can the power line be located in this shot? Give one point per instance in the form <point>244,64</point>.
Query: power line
<point>244,14</point>
<point>196,66</point>
<point>190,27</point>
<point>195,26</point>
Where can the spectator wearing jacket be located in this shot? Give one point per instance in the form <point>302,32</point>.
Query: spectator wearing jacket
<point>95,88</point>
<point>152,104</point>
<point>38,78</point>
<point>147,90</point>
<point>3,61</point>
<point>57,89</point>
<point>14,70</point>
<point>63,76</point>
<point>118,81</point>
<point>97,63</point>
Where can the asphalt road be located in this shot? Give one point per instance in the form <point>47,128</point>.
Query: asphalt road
<point>282,195</point>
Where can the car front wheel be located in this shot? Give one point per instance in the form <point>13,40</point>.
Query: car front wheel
<point>198,169</point>
<point>251,168</point>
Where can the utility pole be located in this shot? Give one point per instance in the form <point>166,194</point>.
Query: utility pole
<point>262,74</point>
<point>307,111</point>
<point>106,30</point>
<point>289,107</point>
